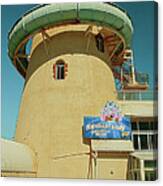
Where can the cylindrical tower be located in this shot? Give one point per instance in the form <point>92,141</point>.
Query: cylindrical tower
<point>68,75</point>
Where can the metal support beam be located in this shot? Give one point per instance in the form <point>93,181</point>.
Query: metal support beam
<point>114,50</point>
<point>20,63</point>
<point>45,44</point>
<point>44,33</point>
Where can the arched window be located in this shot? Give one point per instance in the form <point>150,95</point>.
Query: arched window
<point>59,70</point>
<point>100,42</point>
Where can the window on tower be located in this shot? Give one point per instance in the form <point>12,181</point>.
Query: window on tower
<point>59,70</point>
<point>100,42</point>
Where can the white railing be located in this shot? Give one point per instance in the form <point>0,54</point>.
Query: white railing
<point>137,95</point>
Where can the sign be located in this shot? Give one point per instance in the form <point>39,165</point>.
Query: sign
<point>110,125</point>
<point>95,128</point>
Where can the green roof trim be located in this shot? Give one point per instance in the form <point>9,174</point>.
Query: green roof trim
<point>42,16</point>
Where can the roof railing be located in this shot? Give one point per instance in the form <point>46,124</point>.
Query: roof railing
<point>129,95</point>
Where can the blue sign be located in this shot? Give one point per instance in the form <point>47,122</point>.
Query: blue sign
<point>96,128</point>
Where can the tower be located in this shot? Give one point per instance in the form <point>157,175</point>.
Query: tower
<point>69,74</point>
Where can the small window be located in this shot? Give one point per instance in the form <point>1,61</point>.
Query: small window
<point>60,70</point>
<point>134,126</point>
<point>150,163</point>
<point>135,138</point>
<point>144,125</point>
<point>100,42</point>
<point>143,142</point>
<point>153,141</point>
<point>155,125</point>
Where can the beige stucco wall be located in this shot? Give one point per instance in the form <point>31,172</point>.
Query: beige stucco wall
<point>112,168</point>
<point>139,108</point>
<point>51,112</point>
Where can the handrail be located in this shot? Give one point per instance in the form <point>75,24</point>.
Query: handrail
<point>137,95</point>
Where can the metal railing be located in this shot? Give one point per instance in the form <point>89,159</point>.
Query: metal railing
<point>137,95</point>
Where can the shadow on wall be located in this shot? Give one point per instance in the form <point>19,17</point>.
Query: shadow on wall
<point>64,43</point>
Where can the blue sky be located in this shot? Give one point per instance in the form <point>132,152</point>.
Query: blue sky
<point>142,15</point>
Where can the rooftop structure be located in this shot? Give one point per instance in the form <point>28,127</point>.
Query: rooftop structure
<point>117,39</point>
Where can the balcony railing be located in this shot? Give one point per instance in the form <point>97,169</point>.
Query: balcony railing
<point>137,95</point>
